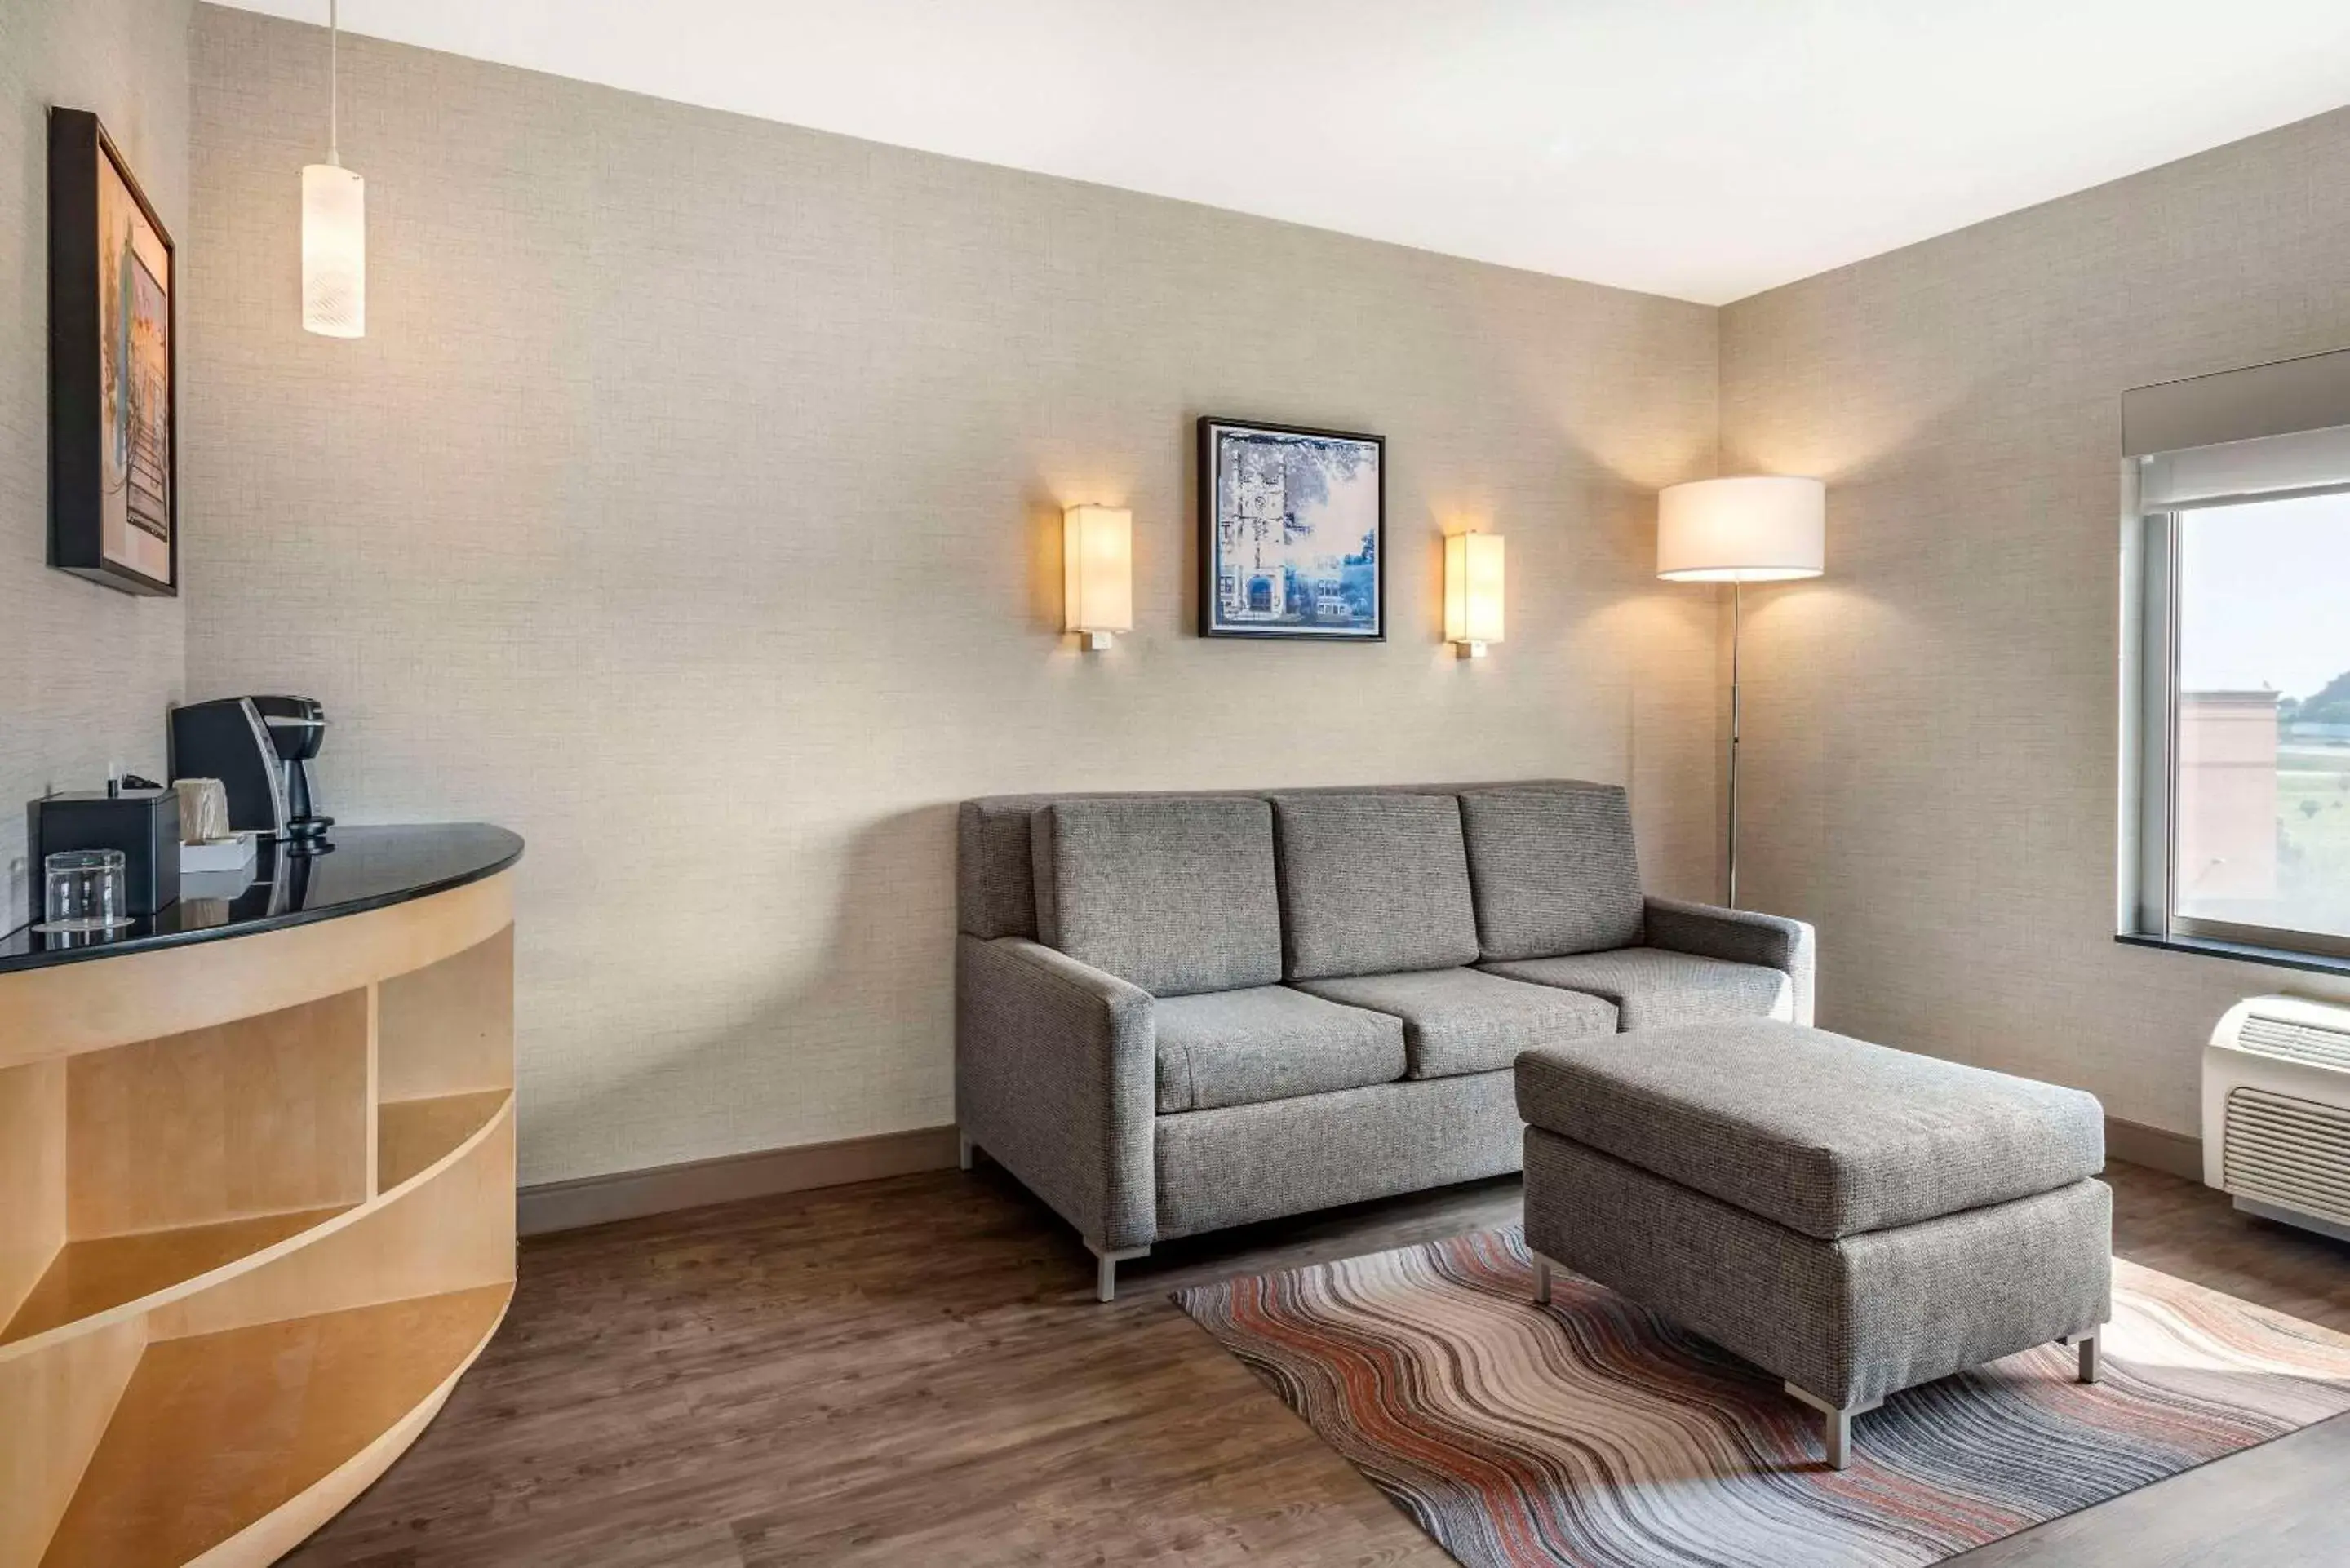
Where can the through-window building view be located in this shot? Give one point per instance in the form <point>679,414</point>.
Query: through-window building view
<point>1081,781</point>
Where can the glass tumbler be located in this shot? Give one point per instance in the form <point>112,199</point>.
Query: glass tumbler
<point>84,890</point>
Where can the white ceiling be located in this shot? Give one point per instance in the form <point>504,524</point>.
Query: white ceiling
<point>1706,149</point>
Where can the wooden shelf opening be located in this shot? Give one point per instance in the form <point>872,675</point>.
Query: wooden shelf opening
<point>307,1397</point>
<point>412,1135</point>
<point>94,1276</point>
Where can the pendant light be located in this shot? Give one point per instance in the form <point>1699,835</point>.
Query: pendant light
<point>334,221</point>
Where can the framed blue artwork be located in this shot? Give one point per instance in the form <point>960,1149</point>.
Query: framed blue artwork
<point>1293,532</point>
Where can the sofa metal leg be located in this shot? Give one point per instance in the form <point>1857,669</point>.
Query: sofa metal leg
<point>968,1148</point>
<point>2090,1368</point>
<point>1836,1424</point>
<point>1106,1263</point>
<point>1542,1279</point>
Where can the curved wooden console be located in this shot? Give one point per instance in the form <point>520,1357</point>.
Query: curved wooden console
<point>257,1200</point>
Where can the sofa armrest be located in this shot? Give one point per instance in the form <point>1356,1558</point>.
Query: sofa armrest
<point>1056,1078</point>
<point>1738,936</point>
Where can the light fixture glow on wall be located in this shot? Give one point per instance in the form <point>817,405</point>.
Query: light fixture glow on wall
<point>334,221</point>
<point>1473,592</point>
<point>1756,529</point>
<point>1098,572</point>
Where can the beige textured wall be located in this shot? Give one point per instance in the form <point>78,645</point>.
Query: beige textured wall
<point>692,505</point>
<point>1932,728</point>
<point>88,672</point>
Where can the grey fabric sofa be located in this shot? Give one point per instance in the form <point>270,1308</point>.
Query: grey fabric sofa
<point>1175,1014</point>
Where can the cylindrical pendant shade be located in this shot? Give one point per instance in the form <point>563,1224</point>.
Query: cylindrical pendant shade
<point>1760,529</point>
<point>334,252</point>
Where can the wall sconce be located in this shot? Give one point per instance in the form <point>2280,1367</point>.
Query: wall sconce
<point>1098,572</point>
<point>1473,592</point>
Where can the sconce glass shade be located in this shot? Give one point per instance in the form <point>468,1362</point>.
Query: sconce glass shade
<point>1473,591</point>
<point>1761,529</point>
<point>1098,571</point>
<point>334,252</point>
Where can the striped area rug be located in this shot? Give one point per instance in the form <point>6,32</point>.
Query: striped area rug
<point>1597,1434</point>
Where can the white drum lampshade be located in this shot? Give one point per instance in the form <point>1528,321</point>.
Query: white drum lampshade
<point>334,251</point>
<point>1758,529</point>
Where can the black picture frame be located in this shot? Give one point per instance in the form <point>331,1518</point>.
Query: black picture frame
<point>1213,618</point>
<point>106,508</point>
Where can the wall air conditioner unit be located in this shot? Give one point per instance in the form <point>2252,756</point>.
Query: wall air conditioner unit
<point>2276,1111</point>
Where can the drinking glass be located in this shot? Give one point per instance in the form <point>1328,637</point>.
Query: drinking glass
<point>84,890</point>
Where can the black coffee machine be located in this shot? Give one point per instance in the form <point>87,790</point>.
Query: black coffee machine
<point>259,747</point>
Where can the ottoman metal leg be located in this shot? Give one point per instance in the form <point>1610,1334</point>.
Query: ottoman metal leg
<point>1836,1424</point>
<point>2090,1369</point>
<point>1542,1279</point>
<point>966,1152</point>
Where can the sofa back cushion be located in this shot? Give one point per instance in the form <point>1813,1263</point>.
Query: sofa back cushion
<point>995,860</point>
<point>1371,883</point>
<point>995,865</point>
<point>1555,870</point>
<point>1175,895</point>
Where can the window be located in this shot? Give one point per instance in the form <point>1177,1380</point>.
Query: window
<point>2237,695</point>
<point>2261,737</point>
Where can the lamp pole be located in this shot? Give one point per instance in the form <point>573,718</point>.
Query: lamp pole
<point>1737,609</point>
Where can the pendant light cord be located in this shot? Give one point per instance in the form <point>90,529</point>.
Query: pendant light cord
<point>334,82</point>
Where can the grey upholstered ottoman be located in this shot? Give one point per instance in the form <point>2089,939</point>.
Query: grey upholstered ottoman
<point>1853,1219</point>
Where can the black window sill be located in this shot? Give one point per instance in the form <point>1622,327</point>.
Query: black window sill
<point>2242,952</point>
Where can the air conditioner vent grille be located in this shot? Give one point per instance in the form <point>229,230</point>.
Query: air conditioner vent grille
<point>2293,1153</point>
<point>2295,1041</point>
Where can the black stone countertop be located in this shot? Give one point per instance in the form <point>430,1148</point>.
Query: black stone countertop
<point>369,869</point>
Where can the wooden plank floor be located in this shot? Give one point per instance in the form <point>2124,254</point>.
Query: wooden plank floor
<point>914,1371</point>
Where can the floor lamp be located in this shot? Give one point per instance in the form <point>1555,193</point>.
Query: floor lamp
<point>1761,529</point>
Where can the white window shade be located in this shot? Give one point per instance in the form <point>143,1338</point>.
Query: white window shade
<point>2264,430</point>
<point>2244,470</point>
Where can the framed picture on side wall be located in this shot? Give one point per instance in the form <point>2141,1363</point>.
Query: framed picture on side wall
<point>113,369</point>
<point>1293,532</point>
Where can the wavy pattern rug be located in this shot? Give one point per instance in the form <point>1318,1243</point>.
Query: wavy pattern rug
<point>1595,1433</point>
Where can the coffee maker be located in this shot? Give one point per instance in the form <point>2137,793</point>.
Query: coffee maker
<point>260,749</point>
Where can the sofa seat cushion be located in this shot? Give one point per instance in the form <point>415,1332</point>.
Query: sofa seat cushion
<point>1653,987</point>
<point>1371,882</point>
<point>1174,894</point>
<point>1827,1136</point>
<point>1268,1042</point>
<point>1248,1163</point>
<point>1555,870</point>
<point>1460,1021</point>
